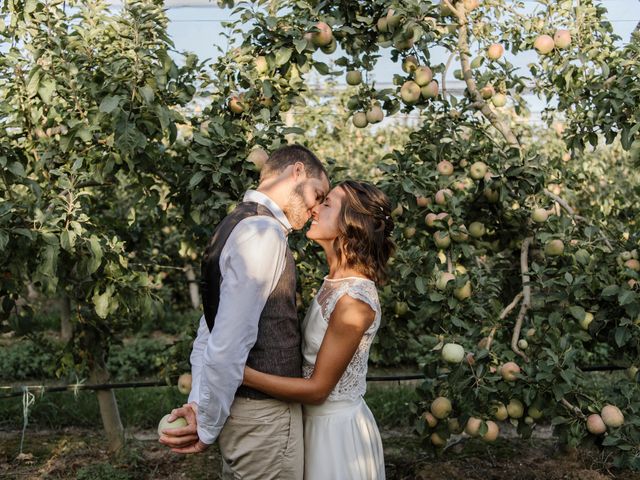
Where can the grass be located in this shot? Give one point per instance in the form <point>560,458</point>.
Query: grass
<point>390,403</point>
<point>141,408</point>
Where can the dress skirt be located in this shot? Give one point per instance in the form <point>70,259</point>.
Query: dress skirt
<point>342,442</point>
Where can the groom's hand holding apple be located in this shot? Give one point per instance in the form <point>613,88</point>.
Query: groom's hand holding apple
<point>184,439</point>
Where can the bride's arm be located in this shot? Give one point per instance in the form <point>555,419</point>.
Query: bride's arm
<point>349,321</point>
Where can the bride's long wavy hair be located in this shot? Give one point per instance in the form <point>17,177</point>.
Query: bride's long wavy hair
<point>365,225</point>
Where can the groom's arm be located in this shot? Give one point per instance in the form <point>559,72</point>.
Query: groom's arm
<point>251,264</point>
<point>197,351</point>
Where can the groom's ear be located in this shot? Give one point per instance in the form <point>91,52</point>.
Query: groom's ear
<point>299,171</point>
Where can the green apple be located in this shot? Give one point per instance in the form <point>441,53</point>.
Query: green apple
<point>441,408</point>
<point>562,38</point>
<point>184,383</point>
<point>360,119</point>
<point>452,353</point>
<point>515,408</point>
<point>443,279</point>
<point>612,416</point>
<point>410,92</point>
<point>323,36</point>
<point>478,170</point>
<point>165,425</point>
<point>539,215</point>
<point>430,90</point>
<point>554,248</point>
<point>495,51</point>
<point>463,292</point>
<point>586,321</point>
<point>544,44</point>
<point>354,77</point>
<point>442,239</point>
<point>477,229</point>
<point>423,76</point>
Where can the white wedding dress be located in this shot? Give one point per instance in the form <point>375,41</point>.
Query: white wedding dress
<point>341,438</point>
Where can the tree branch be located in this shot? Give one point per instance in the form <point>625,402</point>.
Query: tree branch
<point>507,310</point>
<point>573,408</point>
<point>444,74</point>
<point>526,297</point>
<point>92,183</point>
<point>477,101</point>
<point>563,203</point>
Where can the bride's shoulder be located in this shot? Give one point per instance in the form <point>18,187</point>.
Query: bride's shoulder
<point>354,312</point>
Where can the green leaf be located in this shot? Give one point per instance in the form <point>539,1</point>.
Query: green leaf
<point>610,290</point>
<point>34,82</point>
<point>283,55</point>
<point>300,44</point>
<point>477,62</point>
<point>322,68</point>
<point>46,90</point>
<point>577,312</point>
<point>96,255</point>
<point>146,93</point>
<point>131,216</point>
<point>559,420</point>
<point>109,103</point>
<point>101,303</point>
<point>436,297</point>
<point>4,239</point>
<point>30,6</point>
<point>622,336</point>
<point>196,179</point>
<point>84,134</point>
<point>626,296</point>
<point>68,240</point>
<point>17,169</point>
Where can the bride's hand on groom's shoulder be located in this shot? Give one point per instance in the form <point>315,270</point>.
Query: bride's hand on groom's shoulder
<point>185,439</point>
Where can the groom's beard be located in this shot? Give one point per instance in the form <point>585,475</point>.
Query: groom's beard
<point>295,209</point>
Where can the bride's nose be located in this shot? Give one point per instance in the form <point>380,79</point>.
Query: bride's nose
<point>314,212</point>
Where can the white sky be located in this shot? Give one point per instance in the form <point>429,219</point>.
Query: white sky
<point>198,28</point>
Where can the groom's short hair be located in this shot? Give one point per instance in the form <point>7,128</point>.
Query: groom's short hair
<point>280,159</point>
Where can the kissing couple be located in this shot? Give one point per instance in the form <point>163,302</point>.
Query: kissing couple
<point>283,398</point>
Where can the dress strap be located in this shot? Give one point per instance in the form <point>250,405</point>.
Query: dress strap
<point>360,289</point>
<point>365,292</point>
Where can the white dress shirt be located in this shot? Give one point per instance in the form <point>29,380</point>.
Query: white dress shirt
<point>251,263</point>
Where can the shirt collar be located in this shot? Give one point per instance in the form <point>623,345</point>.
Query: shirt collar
<point>259,197</point>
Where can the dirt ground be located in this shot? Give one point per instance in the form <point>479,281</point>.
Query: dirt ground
<point>80,454</point>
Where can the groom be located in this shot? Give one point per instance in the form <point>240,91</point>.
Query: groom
<point>248,292</point>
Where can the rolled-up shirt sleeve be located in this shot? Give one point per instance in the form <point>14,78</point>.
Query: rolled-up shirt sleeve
<point>197,351</point>
<point>251,264</point>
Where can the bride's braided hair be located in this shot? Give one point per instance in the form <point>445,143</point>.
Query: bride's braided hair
<point>365,225</point>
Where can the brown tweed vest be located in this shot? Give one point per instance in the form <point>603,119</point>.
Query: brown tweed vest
<point>277,349</point>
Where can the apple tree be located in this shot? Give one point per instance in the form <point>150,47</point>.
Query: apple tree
<point>505,255</point>
<point>90,100</point>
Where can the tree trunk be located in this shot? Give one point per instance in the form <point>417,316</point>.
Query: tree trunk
<point>106,398</point>
<point>66,329</point>
<point>194,292</point>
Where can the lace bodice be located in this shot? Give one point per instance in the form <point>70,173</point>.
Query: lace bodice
<point>352,384</point>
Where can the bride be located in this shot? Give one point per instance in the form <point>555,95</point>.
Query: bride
<point>341,439</point>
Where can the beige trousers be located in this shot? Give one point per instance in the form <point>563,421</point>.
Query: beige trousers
<point>262,439</point>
